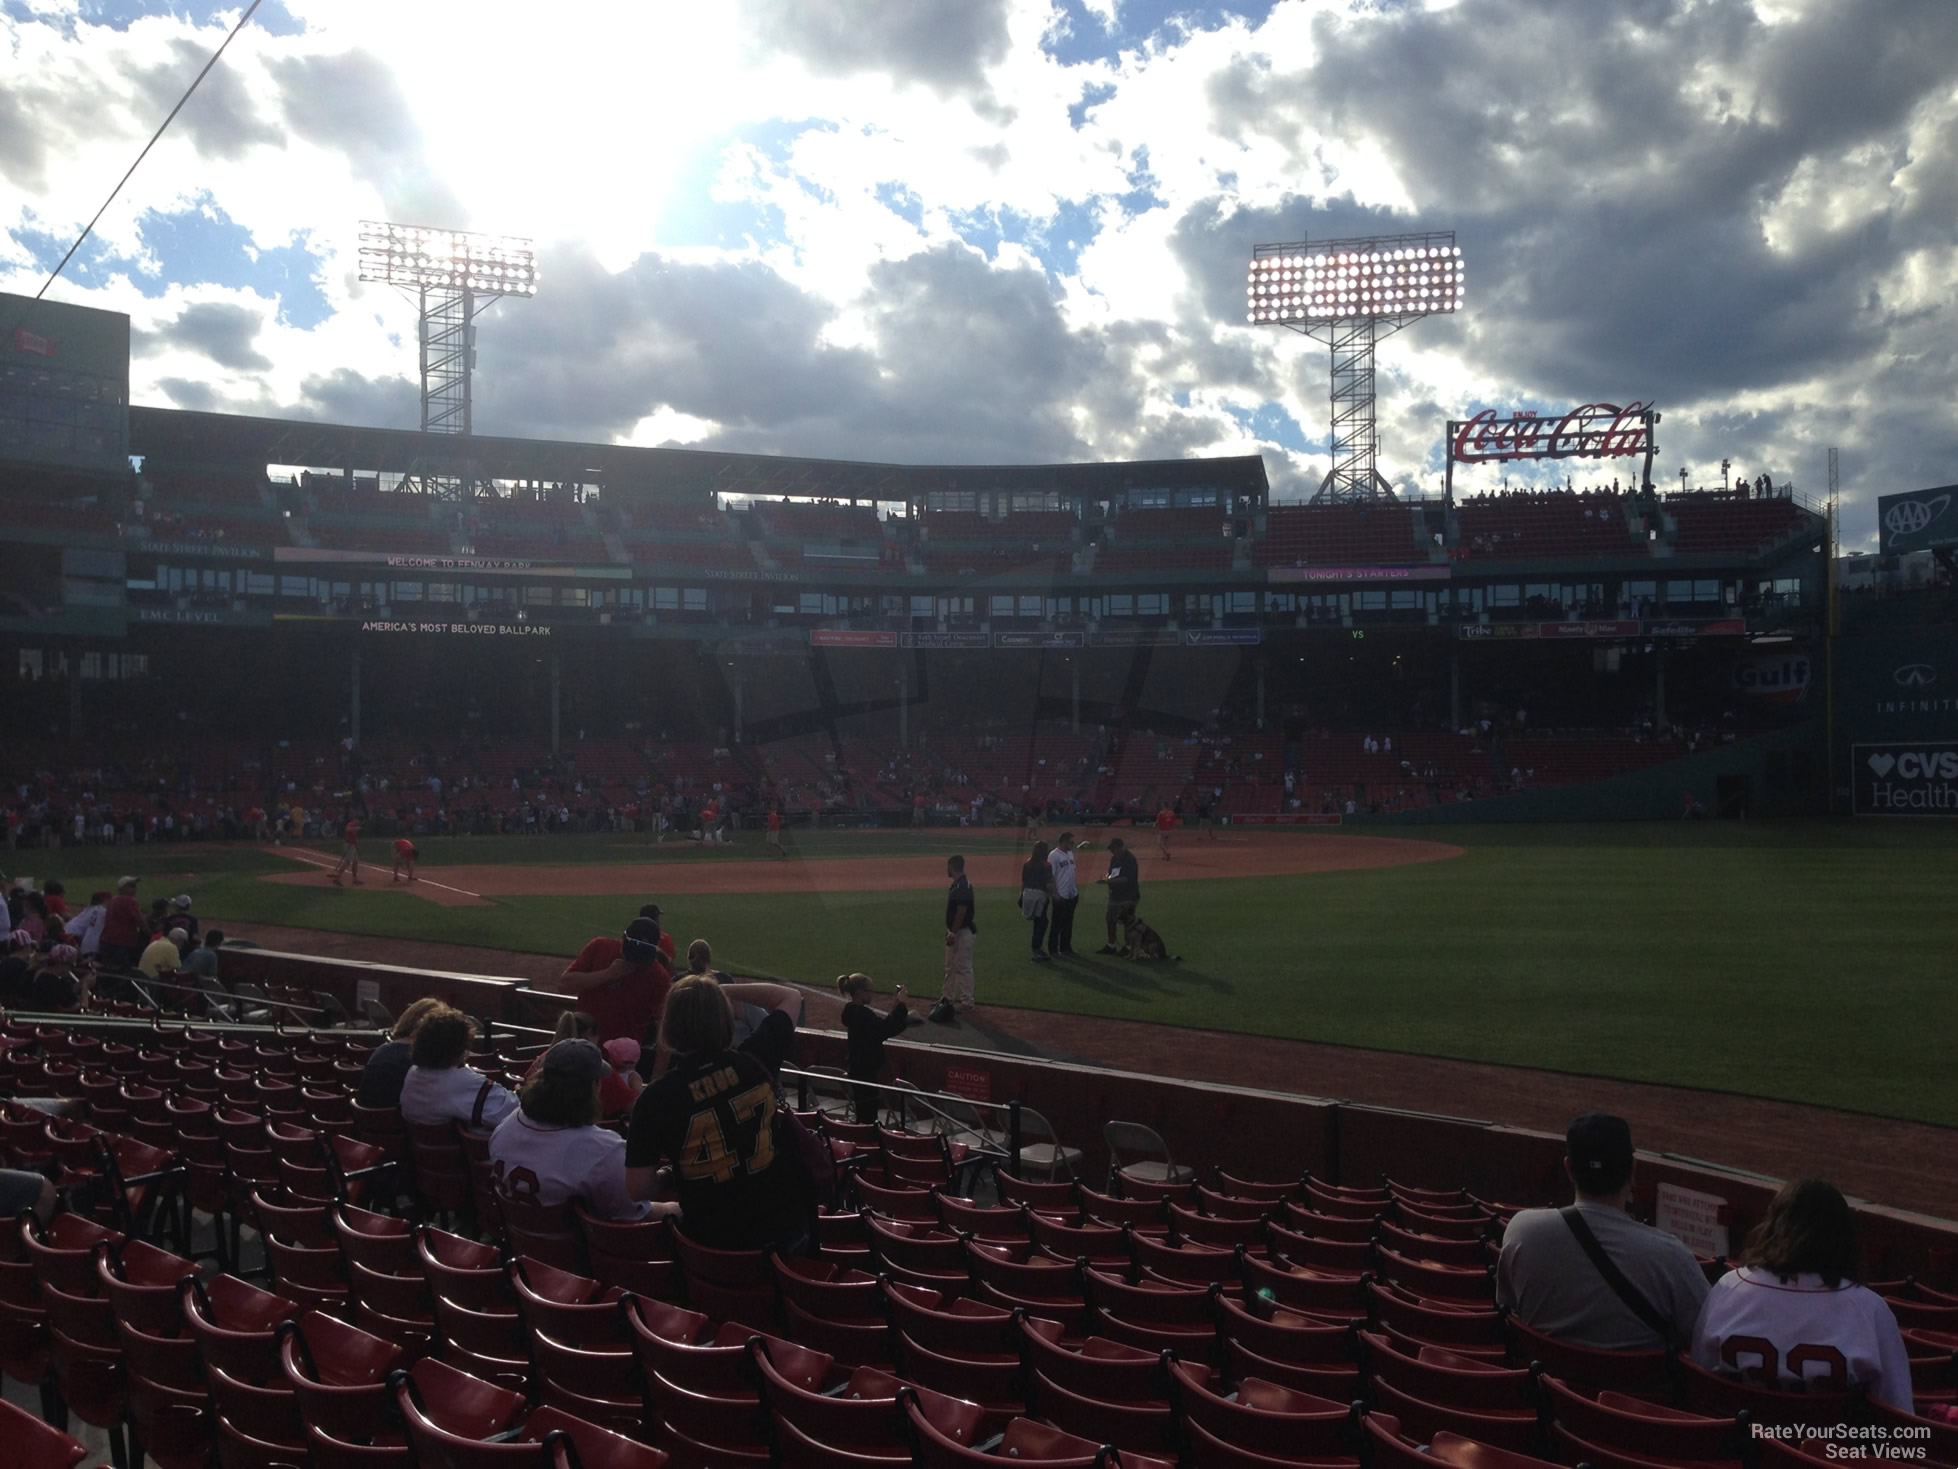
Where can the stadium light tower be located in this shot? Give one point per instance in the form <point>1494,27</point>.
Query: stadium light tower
<point>453,276</point>
<point>1350,294</point>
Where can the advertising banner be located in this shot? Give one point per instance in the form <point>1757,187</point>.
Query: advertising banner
<point>401,561</point>
<point>460,629</point>
<point>1284,574</point>
<point>1781,678</point>
<point>197,617</point>
<point>1695,627</point>
<point>1222,637</point>
<point>1918,520</point>
<point>929,640</point>
<point>850,637</point>
<point>1627,629</point>
<point>1040,640</point>
<point>1919,778</point>
<point>206,550</point>
<point>1138,637</point>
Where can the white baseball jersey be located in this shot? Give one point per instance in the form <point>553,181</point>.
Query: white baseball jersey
<point>431,1097</point>
<point>1062,865</point>
<point>549,1165</point>
<point>1801,1330</point>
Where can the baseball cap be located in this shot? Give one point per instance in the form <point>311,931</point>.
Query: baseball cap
<point>125,882</point>
<point>622,1051</point>
<point>1600,1149</point>
<point>182,900</point>
<point>575,1061</point>
<point>642,940</point>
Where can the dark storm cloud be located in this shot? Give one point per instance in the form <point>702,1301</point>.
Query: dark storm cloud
<point>351,102</point>
<point>345,396</point>
<point>1613,228</point>
<point>23,148</point>
<point>944,44</point>
<point>196,396</point>
<point>973,363</point>
<point>220,119</point>
<point>1614,173</point>
<point>225,333</point>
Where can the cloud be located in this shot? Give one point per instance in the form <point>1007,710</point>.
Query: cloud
<point>351,103</point>
<point>974,230</point>
<point>945,44</point>
<point>221,119</point>
<point>224,333</point>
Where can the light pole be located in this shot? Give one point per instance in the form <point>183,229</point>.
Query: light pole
<point>1350,294</point>
<point>452,275</point>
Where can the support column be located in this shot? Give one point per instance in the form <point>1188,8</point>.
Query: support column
<point>75,696</point>
<point>1454,692</point>
<point>1074,681</point>
<point>556,707</point>
<point>903,703</point>
<point>353,719</point>
<point>740,717</point>
<point>1261,691</point>
<point>1658,687</point>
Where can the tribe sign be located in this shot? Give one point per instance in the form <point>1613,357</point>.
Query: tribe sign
<point>1590,430</point>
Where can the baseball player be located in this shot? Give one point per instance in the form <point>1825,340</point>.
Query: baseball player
<point>349,853</point>
<point>775,830</point>
<point>1165,824</point>
<point>405,855</point>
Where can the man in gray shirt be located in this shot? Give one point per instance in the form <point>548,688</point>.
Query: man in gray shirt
<point>1546,1277</point>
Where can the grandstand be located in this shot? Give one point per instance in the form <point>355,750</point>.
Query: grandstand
<point>268,628</point>
<point>1540,640</point>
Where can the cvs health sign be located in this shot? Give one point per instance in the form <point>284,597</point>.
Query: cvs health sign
<point>1914,778</point>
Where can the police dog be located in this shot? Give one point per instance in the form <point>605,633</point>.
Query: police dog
<point>1146,944</point>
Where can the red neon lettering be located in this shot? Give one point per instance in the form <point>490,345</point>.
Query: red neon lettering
<point>1465,435</point>
<point>1627,432</point>
<point>1590,430</point>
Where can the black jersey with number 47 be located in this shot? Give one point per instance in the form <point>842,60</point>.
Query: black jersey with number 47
<point>713,1120</point>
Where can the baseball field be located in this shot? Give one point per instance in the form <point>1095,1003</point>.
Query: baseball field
<point>1805,963</point>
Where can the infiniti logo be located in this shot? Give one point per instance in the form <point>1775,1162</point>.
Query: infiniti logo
<point>1916,676</point>
<point>1913,516</point>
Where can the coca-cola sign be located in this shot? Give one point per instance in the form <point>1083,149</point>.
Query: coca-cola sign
<point>1593,430</point>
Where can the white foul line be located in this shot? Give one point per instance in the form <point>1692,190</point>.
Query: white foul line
<point>323,863</point>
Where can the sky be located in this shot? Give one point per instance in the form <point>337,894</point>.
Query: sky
<point>972,231</point>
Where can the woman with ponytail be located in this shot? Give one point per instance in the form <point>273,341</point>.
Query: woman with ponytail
<point>868,1031</point>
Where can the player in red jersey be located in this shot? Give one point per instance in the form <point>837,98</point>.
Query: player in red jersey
<point>349,853</point>
<point>775,830</point>
<point>405,855</point>
<point>1165,824</point>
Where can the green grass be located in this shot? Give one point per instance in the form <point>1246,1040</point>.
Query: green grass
<point>1804,962</point>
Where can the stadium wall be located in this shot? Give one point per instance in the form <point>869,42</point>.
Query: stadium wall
<point>1771,775</point>
<point>1896,712</point>
<point>1252,1133</point>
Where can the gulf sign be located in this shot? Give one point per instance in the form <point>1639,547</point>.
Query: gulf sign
<point>1778,679</point>
<point>1909,778</point>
